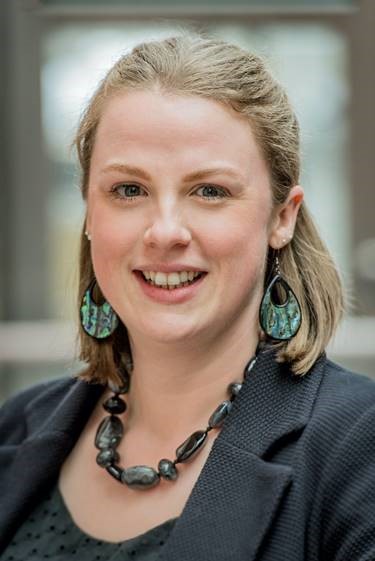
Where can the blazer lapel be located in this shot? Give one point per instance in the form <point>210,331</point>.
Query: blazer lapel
<point>230,508</point>
<point>32,467</point>
<point>240,488</point>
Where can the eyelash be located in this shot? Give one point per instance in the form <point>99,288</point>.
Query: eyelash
<point>115,191</point>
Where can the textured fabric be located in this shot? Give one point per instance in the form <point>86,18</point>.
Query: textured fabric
<point>50,533</point>
<point>291,476</point>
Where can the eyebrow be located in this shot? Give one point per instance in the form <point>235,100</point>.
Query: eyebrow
<point>194,176</point>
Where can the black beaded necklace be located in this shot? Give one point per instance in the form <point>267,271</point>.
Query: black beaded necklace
<point>111,431</point>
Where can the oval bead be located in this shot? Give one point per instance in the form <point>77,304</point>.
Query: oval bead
<point>140,477</point>
<point>122,388</point>
<point>109,433</point>
<point>167,469</point>
<point>115,405</point>
<point>115,471</point>
<point>191,446</point>
<point>235,388</point>
<point>218,416</point>
<point>107,457</point>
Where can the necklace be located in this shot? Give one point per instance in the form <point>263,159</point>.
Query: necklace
<point>111,431</point>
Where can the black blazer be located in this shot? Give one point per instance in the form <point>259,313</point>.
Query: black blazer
<point>291,476</point>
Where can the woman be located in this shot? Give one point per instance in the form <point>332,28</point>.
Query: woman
<point>206,301</point>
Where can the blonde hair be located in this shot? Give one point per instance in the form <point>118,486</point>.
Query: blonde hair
<point>192,64</point>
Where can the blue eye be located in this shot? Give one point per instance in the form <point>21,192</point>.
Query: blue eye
<point>129,191</point>
<point>211,192</point>
<point>126,191</point>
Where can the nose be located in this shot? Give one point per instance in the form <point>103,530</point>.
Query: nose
<point>167,231</point>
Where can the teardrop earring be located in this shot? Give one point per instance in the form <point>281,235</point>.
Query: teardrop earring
<point>280,313</point>
<point>98,321</point>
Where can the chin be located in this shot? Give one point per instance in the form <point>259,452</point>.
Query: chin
<point>168,332</point>
<point>175,334</point>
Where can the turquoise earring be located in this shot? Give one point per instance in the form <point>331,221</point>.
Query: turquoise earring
<point>98,321</point>
<point>279,320</point>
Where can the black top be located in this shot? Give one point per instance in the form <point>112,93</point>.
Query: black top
<point>291,475</point>
<point>50,533</point>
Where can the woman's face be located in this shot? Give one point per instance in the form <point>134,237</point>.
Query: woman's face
<point>178,187</point>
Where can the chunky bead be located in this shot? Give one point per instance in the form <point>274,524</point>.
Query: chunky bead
<point>123,387</point>
<point>115,405</point>
<point>115,471</point>
<point>109,433</point>
<point>191,446</point>
<point>167,469</point>
<point>107,457</point>
<point>235,388</point>
<point>140,477</point>
<point>218,416</point>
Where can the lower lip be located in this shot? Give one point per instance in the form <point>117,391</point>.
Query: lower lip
<point>165,296</point>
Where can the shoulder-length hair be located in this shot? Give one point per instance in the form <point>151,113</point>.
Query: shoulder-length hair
<point>192,64</point>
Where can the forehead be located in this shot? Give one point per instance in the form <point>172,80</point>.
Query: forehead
<point>174,128</point>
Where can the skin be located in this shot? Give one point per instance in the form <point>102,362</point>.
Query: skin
<point>186,353</point>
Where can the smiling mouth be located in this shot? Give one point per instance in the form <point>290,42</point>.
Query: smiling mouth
<point>171,281</point>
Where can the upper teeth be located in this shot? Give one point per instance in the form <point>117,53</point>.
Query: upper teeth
<point>171,279</point>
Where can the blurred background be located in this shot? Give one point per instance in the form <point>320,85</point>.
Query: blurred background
<point>52,54</point>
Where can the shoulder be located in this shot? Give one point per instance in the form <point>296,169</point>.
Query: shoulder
<point>342,448</point>
<point>339,439</point>
<point>346,379</point>
<point>343,393</point>
<point>344,409</point>
<point>14,412</point>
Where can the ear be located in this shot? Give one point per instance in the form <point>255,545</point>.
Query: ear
<point>284,218</point>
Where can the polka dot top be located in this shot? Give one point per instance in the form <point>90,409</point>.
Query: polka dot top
<point>51,533</point>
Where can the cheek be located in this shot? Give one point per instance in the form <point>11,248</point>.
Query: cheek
<point>239,243</point>
<point>112,239</point>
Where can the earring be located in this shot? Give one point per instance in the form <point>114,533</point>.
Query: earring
<point>280,320</point>
<point>97,321</point>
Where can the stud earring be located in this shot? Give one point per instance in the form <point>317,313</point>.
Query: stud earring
<point>88,236</point>
<point>98,321</point>
<point>280,313</point>
<point>287,239</point>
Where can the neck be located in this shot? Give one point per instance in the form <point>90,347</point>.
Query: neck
<point>174,389</point>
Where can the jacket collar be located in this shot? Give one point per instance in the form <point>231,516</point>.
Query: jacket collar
<point>273,403</point>
<point>29,469</point>
<point>74,402</point>
<point>239,488</point>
